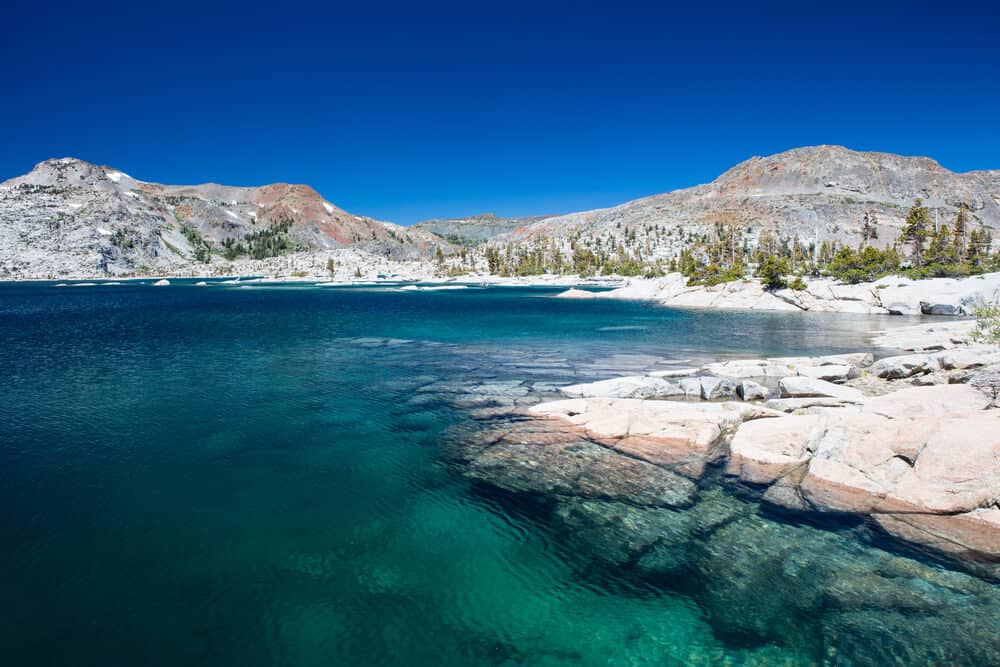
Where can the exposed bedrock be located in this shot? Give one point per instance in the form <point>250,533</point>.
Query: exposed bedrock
<point>922,464</point>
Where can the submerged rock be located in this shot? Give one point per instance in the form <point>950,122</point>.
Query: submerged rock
<point>546,458</point>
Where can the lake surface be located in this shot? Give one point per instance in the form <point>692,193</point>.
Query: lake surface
<point>255,475</point>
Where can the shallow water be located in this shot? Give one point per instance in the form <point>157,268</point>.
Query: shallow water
<point>233,475</point>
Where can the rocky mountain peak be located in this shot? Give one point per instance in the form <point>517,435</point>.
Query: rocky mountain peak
<point>69,216</point>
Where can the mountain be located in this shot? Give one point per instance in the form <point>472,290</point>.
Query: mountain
<point>71,217</point>
<point>818,193</point>
<point>474,229</point>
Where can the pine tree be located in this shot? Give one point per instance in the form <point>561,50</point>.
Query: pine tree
<point>917,229</point>
<point>959,233</point>
<point>942,248</point>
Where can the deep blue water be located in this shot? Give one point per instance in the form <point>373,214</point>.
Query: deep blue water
<point>231,475</point>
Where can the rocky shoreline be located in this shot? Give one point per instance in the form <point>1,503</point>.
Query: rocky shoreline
<point>672,476</point>
<point>891,295</point>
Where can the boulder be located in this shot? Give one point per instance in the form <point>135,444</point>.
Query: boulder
<point>162,282</point>
<point>750,369</point>
<point>829,372</point>
<point>953,309</point>
<point>904,366</point>
<point>805,387</point>
<point>714,388</point>
<point>749,390</point>
<point>976,356</point>
<point>636,386</point>
<point>691,387</point>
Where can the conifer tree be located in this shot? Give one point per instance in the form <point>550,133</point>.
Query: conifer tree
<point>959,235</point>
<point>917,229</point>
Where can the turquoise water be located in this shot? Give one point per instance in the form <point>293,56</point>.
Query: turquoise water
<point>231,475</point>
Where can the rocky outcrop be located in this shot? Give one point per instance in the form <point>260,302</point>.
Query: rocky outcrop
<point>680,435</point>
<point>915,365</point>
<point>923,464</point>
<point>636,484</point>
<point>926,337</point>
<point>636,386</point>
<point>890,295</point>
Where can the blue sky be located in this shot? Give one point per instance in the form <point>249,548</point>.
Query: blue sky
<point>405,111</point>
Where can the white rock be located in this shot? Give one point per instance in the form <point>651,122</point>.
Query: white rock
<point>714,387</point>
<point>855,359</point>
<point>636,386</point>
<point>752,369</point>
<point>806,387</point>
<point>970,357</point>
<point>691,387</point>
<point>830,372</point>
<point>907,365</point>
<point>162,282</point>
<point>796,404</point>
<point>749,390</point>
<point>934,336</point>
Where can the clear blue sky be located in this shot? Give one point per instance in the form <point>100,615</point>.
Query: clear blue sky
<point>405,112</point>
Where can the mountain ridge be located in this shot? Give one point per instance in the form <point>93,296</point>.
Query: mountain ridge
<point>817,193</point>
<point>101,219</point>
<point>72,216</point>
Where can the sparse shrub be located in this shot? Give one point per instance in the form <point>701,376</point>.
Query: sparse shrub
<point>987,314</point>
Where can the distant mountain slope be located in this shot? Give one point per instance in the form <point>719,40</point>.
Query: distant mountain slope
<point>474,229</point>
<point>70,216</point>
<point>818,193</point>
